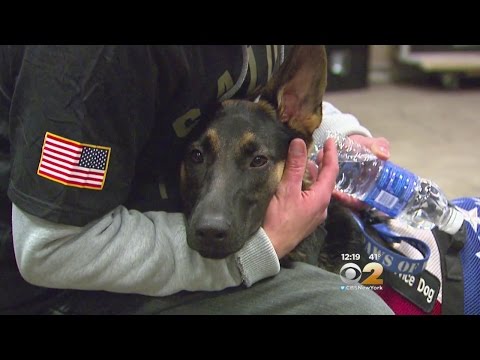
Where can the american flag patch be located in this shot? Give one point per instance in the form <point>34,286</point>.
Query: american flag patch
<point>73,164</point>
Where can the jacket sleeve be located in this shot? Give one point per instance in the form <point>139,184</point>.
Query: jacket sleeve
<point>127,251</point>
<point>78,118</point>
<point>346,124</point>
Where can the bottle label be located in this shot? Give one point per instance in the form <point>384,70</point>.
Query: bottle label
<point>393,189</point>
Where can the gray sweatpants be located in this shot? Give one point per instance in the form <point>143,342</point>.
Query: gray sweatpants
<point>301,290</point>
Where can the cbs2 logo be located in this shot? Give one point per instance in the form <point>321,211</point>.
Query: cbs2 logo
<point>350,273</point>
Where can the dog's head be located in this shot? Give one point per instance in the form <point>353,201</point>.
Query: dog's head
<point>231,171</point>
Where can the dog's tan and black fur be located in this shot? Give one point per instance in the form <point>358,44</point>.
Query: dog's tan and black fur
<point>232,169</point>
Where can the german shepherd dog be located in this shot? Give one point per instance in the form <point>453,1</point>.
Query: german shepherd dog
<point>232,169</point>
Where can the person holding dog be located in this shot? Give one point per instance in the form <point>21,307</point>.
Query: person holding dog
<point>89,163</point>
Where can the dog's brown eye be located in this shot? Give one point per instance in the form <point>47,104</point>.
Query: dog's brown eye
<point>258,161</point>
<point>196,156</point>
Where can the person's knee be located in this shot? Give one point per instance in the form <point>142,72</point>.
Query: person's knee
<point>362,302</point>
<point>323,292</point>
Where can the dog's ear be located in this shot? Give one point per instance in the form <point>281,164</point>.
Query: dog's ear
<point>297,88</point>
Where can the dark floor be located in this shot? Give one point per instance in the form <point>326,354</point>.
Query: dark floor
<point>433,132</point>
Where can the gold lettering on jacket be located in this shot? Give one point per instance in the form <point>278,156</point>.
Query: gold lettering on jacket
<point>252,65</point>
<point>185,123</point>
<point>224,83</point>
<point>275,53</point>
<point>163,191</point>
<point>269,61</point>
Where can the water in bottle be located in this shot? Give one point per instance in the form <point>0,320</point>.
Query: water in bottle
<point>391,189</point>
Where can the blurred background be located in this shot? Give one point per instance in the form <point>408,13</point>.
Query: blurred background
<point>425,99</point>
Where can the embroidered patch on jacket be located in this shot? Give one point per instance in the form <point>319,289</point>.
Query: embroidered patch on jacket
<point>72,163</point>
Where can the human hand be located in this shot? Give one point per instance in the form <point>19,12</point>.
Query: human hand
<point>294,214</point>
<point>380,147</point>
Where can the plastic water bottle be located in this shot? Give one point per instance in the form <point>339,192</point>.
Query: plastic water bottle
<point>391,189</point>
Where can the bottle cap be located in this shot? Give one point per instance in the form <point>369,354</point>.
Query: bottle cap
<point>454,222</point>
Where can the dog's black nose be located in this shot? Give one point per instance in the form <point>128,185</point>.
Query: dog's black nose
<point>212,229</point>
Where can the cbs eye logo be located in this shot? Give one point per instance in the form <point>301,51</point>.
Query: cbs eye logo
<point>350,273</point>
